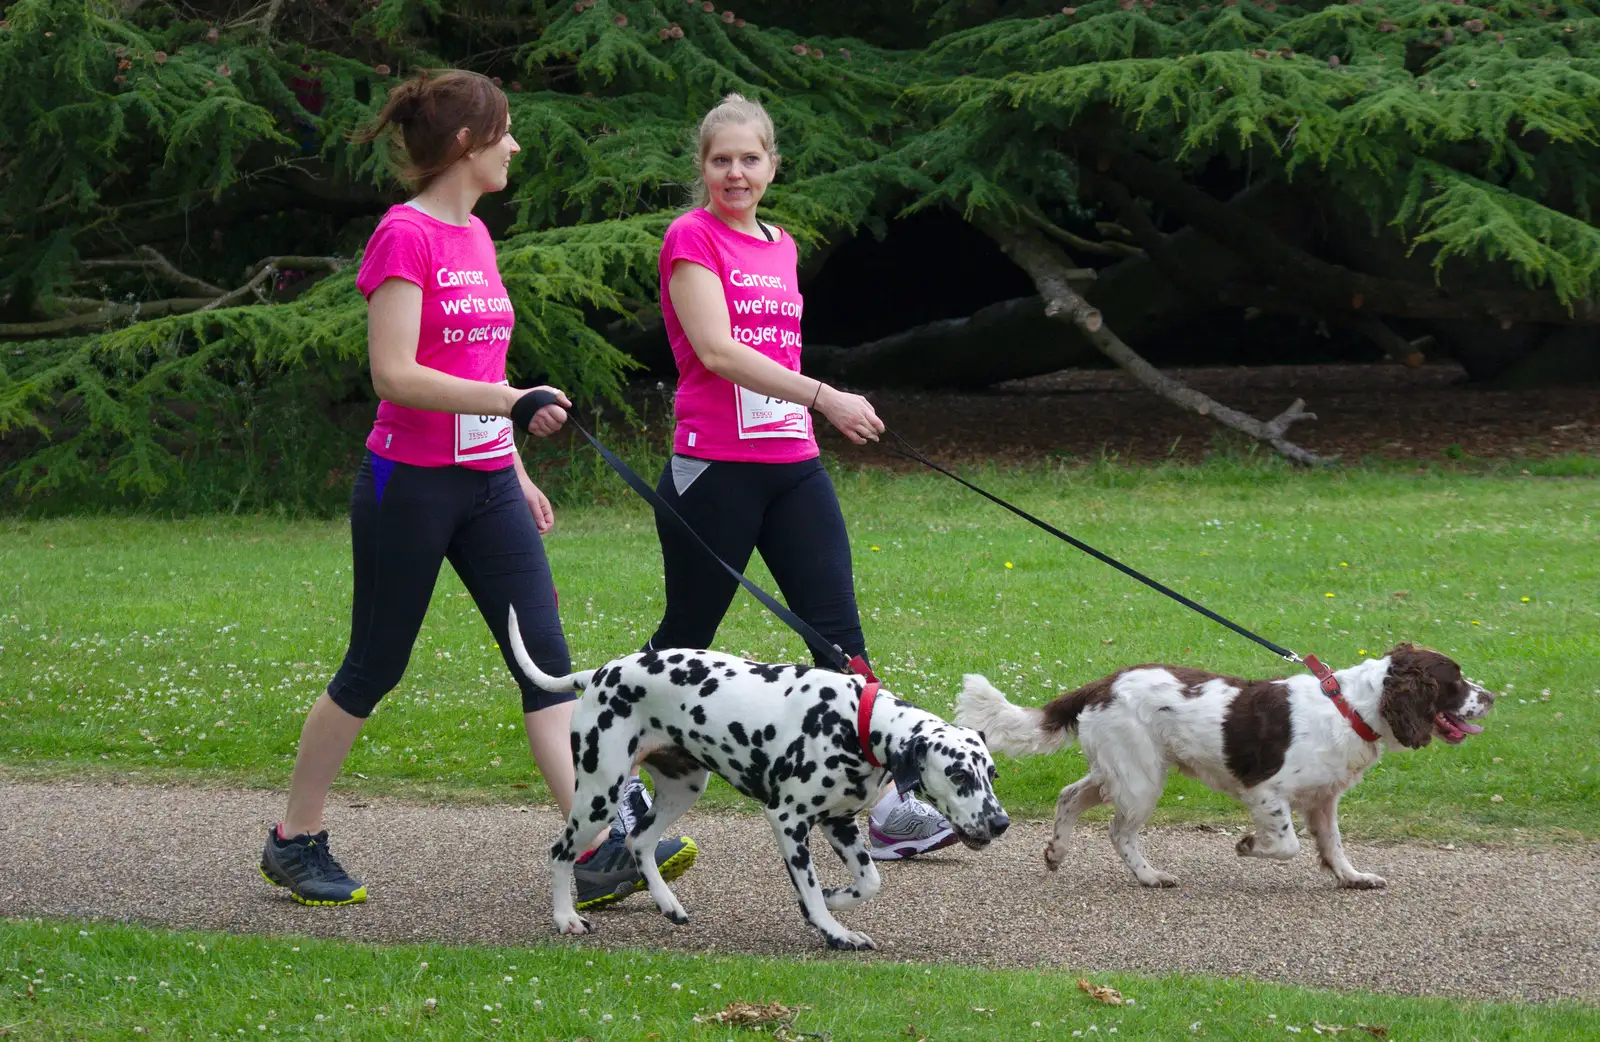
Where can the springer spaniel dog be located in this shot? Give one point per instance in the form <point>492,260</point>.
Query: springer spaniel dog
<point>1276,745</point>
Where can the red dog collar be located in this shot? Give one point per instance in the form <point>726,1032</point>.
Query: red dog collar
<point>1330,687</point>
<point>869,695</point>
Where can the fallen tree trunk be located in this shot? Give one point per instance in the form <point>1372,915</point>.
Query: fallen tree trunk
<point>1047,267</point>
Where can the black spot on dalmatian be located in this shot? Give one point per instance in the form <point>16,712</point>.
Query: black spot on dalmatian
<point>675,659</point>
<point>591,751</point>
<point>769,673</point>
<point>604,720</point>
<point>698,715</point>
<point>708,689</point>
<point>693,674</point>
<point>736,729</point>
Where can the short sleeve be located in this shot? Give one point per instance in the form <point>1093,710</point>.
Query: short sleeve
<point>397,250</point>
<point>688,239</point>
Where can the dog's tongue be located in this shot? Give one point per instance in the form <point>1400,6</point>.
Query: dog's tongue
<point>1453,727</point>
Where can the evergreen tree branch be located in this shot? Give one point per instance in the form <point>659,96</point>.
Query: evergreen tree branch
<point>1048,269</point>
<point>1332,286</point>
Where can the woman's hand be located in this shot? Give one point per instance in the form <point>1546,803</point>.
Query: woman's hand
<point>851,413</point>
<point>544,517</point>
<point>549,419</point>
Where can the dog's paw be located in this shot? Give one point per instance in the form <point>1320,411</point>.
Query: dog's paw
<point>674,911</point>
<point>1250,846</point>
<point>573,924</point>
<point>1363,881</point>
<point>1154,877</point>
<point>850,941</point>
<point>1055,855</point>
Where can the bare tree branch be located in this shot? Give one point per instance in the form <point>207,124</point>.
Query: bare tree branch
<point>260,272</point>
<point>1078,242</point>
<point>155,261</point>
<point>1048,268</point>
<point>113,313</point>
<point>265,269</point>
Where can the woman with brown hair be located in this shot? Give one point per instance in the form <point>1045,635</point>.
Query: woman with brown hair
<point>441,479</point>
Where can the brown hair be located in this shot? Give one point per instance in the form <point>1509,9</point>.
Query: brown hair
<point>423,115</point>
<point>734,110</point>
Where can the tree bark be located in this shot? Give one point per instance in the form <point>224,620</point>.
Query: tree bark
<point>1044,263</point>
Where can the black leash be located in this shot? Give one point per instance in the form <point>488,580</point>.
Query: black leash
<point>908,451</point>
<point>523,412</point>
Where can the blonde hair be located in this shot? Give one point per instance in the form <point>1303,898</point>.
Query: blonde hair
<point>734,110</point>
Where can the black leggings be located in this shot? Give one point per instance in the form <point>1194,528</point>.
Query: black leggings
<point>404,522</point>
<point>788,511</point>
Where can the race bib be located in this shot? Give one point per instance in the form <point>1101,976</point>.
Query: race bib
<point>482,437</point>
<point>762,417</point>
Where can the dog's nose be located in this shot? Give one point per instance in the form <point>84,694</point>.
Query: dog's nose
<point>998,824</point>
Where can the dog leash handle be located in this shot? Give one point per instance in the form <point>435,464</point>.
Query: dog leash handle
<point>525,408</point>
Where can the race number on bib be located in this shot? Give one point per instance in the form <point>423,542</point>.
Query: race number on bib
<point>482,437</point>
<point>762,417</point>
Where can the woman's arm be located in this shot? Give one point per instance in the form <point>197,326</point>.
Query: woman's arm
<point>544,516</point>
<point>394,321</point>
<point>702,310</point>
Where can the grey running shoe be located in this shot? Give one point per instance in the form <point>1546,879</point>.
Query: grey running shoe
<point>306,866</point>
<point>607,874</point>
<point>910,827</point>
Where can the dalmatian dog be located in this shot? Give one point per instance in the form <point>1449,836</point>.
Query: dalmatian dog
<point>790,737</point>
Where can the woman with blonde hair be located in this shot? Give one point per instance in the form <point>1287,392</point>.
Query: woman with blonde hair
<point>441,480</point>
<point>745,470</point>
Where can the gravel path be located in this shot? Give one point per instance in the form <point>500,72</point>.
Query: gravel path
<point>1477,923</point>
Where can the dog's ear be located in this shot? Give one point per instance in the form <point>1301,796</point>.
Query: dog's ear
<point>1410,693</point>
<point>905,765</point>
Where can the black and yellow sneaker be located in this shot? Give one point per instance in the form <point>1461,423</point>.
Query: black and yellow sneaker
<point>607,873</point>
<point>306,866</point>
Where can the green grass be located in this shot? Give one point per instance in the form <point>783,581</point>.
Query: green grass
<point>191,649</point>
<point>71,980</point>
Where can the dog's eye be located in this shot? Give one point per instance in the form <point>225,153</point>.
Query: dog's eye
<point>960,778</point>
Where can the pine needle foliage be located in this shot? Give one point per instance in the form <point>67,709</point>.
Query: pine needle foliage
<point>153,154</point>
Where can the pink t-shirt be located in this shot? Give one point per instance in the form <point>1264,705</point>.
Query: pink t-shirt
<point>466,328</point>
<point>716,419</point>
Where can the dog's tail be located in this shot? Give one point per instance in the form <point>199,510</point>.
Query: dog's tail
<point>1011,729</point>
<point>546,682</point>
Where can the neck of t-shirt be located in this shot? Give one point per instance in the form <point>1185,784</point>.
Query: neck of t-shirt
<point>765,231</point>
<point>426,211</point>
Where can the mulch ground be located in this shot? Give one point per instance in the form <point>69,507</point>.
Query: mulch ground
<point>1387,412</point>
